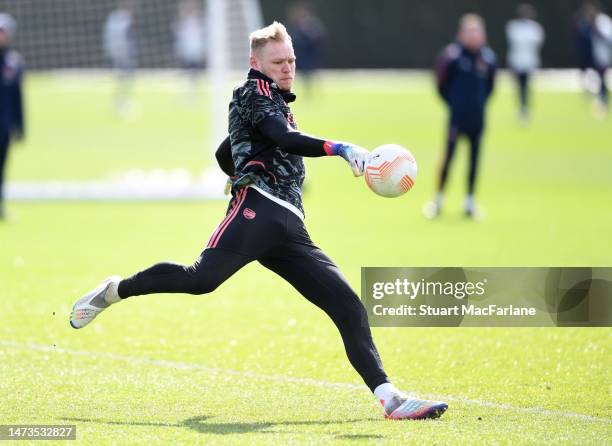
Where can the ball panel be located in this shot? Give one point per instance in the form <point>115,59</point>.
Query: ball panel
<point>391,170</point>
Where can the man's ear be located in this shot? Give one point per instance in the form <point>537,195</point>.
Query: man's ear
<point>254,63</point>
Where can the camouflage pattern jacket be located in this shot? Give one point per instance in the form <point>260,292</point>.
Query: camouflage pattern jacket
<point>257,159</point>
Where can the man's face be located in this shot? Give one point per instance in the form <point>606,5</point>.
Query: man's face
<point>472,35</point>
<point>277,61</point>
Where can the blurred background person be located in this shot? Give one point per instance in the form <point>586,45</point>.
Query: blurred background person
<point>593,38</point>
<point>121,49</point>
<point>11,101</point>
<point>465,74</point>
<point>525,38</point>
<point>307,32</point>
<point>190,43</point>
<point>583,41</point>
<point>602,55</point>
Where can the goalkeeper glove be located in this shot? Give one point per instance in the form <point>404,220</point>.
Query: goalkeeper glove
<point>355,156</point>
<point>228,185</point>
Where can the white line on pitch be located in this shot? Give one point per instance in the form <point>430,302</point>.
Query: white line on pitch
<point>285,378</point>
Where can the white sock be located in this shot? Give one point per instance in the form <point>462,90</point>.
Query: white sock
<point>385,392</point>
<point>439,200</point>
<point>469,202</point>
<point>112,294</point>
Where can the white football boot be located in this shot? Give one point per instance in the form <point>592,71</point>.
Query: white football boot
<point>93,303</point>
<point>433,208</point>
<point>403,407</point>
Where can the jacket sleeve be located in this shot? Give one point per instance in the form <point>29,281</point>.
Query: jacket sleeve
<point>491,80</point>
<point>224,157</point>
<point>17,110</point>
<point>290,140</point>
<point>492,73</point>
<point>444,72</point>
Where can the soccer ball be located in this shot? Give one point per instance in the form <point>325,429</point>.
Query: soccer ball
<point>390,171</point>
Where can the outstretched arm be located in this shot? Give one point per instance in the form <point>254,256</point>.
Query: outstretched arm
<point>293,141</point>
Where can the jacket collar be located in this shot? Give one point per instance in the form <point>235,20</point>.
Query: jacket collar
<point>288,96</point>
<point>467,52</point>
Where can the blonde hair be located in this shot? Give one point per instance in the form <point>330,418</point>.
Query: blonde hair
<point>276,32</point>
<point>471,19</point>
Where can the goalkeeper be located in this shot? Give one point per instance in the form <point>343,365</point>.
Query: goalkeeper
<point>264,221</point>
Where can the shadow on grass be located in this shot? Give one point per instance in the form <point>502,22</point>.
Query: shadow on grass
<point>202,425</point>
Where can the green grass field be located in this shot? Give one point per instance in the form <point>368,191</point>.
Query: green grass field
<point>255,363</point>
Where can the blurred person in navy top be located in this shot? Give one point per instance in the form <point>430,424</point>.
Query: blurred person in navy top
<point>11,105</point>
<point>308,33</point>
<point>465,74</point>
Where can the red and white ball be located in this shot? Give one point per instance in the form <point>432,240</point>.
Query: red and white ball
<point>391,170</point>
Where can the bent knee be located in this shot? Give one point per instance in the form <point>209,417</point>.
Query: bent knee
<point>203,284</point>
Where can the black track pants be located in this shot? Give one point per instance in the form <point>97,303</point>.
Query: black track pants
<point>474,137</point>
<point>257,228</point>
